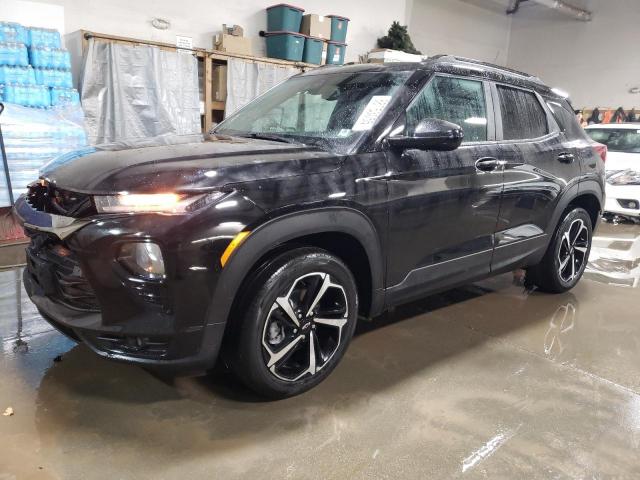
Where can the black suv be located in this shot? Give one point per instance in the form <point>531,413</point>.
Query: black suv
<point>336,195</point>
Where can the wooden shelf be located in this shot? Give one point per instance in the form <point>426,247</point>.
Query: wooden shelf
<point>213,109</point>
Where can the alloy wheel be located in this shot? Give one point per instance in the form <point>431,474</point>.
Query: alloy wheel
<point>572,254</point>
<point>303,328</point>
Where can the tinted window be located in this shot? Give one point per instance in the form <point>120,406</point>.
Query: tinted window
<point>522,114</point>
<point>566,120</point>
<point>617,139</point>
<point>455,100</point>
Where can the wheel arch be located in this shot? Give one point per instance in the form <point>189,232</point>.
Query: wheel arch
<point>590,203</point>
<point>343,231</point>
<point>587,195</point>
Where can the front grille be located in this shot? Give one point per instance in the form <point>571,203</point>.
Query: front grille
<point>46,197</point>
<point>138,346</point>
<point>57,271</point>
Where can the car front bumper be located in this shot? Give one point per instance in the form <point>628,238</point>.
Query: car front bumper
<point>618,198</point>
<point>87,295</point>
<point>119,343</point>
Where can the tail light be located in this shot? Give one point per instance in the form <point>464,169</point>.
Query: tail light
<point>600,150</point>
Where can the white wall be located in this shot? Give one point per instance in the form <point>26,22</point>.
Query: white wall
<point>471,28</point>
<point>596,62</point>
<point>32,14</point>
<point>201,19</point>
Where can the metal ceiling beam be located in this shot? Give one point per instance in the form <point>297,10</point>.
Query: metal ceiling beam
<point>559,5</point>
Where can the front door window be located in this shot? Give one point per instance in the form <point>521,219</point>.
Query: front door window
<point>456,100</point>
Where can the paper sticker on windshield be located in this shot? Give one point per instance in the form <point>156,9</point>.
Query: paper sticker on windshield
<point>371,112</point>
<point>344,132</point>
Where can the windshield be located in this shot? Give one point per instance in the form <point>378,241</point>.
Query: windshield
<point>625,140</point>
<point>331,111</point>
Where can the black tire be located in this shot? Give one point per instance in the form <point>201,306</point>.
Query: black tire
<point>550,275</point>
<point>264,323</point>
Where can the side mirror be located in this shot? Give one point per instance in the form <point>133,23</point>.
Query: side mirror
<point>430,134</point>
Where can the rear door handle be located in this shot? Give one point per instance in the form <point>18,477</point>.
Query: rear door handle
<point>566,157</point>
<point>489,164</point>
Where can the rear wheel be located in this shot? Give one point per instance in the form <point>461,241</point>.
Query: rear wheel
<point>567,255</point>
<point>300,315</point>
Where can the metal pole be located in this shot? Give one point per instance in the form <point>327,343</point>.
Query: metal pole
<point>5,162</point>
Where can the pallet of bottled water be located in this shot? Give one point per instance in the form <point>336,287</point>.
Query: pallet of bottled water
<point>35,137</point>
<point>34,70</point>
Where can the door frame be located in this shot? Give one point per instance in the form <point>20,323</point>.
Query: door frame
<point>406,289</point>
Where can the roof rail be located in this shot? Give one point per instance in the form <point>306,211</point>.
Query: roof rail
<point>456,58</point>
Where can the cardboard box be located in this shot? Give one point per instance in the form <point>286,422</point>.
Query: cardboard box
<point>316,26</point>
<point>233,44</point>
<point>219,83</point>
<point>385,55</point>
<point>235,30</point>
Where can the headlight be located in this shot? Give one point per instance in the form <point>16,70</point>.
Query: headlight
<point>627,177</point>
<point>154,202</point>
<point>143,259</point>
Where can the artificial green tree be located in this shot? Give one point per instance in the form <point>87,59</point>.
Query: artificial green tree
<point>398,39</point>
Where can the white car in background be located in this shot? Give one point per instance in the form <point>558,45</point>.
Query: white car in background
<point>622,166</point>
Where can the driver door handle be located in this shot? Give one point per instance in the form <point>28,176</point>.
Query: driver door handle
<point>489,164</point>
<point>566,157</point>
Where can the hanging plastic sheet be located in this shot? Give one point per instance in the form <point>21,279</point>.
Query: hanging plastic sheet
<point>246,80</point>
<point>33,137</point>
<point>139,95</point>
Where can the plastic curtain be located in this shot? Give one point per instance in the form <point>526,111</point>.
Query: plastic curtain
<point>136,95</point>
<point>246,80</point>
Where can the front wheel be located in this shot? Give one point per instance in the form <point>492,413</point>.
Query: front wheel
<point>300,315</point>
<point>566,258</point>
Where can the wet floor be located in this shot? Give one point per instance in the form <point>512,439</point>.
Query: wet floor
<point>486,381</point>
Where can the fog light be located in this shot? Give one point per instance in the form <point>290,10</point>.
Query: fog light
<point>143,259</point>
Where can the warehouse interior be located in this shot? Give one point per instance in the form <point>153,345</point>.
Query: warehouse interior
<point>492,378</point>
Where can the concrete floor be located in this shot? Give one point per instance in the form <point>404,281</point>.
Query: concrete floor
<point>486,381</point>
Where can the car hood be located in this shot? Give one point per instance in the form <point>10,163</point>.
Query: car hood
<point>187,167</point>
<point>622,161</point>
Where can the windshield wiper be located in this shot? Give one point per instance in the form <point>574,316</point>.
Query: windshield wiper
<point>279,138</point>
<point>267,136</point>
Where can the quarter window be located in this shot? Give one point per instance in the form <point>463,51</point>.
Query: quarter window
<point>456,100</point>
<point>566,120</point>
<point>522,115</point>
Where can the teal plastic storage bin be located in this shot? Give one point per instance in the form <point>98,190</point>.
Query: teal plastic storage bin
<point>338,28</point>
<point>312,50</point>
<point>335,52</point>
<point>285,45</point>
<point>284,17</point>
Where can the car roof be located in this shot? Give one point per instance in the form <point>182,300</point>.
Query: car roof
<point>619,126</point>
<point>448,64</point>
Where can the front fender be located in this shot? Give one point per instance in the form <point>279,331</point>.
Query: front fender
<point>289,227</point>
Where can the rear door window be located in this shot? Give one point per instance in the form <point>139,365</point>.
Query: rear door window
<point>522,115</point>
<point>456,100</point>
